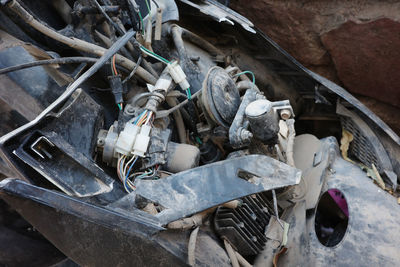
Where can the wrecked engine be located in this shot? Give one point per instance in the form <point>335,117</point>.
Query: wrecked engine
<point>178,141</point>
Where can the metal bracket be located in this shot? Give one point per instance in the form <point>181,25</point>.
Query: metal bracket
<point>201,188</point>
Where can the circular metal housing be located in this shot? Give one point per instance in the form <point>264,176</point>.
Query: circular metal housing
<point>220,97</point>
<point>109,145</point>
<point>258,108</point>
<point>263,120</point>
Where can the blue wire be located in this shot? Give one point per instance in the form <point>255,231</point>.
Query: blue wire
<point>137,119</point>
<point>126,188</point>
<point>146,174</point>
<point>252,75</point>
<point>129,170</point>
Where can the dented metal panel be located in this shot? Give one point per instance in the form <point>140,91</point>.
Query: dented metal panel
<point>204,187</point>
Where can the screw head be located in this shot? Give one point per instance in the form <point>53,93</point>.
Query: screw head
<point>286,114</point>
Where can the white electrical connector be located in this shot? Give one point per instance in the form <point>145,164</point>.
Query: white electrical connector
<point>142,141</point>
<point>126,139</point>
<point>162,84</point>
<point>178,75</point>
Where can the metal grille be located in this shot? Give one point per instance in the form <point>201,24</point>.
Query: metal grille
<point>360,147</point>
<point>245,226</point>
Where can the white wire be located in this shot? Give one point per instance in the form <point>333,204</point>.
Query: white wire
<point>126,166</point>
<point>149,117</point>
<point>276,208</point>
<point>153,56</point>
<point>123,157</point>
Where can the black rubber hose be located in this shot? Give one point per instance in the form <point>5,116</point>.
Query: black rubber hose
<point>95,10</point>
<point>62,60</point>
<point>200,42</point>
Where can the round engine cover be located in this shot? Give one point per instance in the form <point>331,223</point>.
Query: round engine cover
<point>221,97</point>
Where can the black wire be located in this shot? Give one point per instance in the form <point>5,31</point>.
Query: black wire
<point>62,60</point>
<point>65,60</point>
<point>116,27</point>
<point>101,89</point>
<point>75,85</point>
<point>134,69</point>
<point>132,10</point>
<point>100,62</point>
<point>155,2</point>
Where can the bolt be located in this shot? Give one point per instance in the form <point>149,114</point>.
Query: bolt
<point>194,59</point>
<point>100,142</point>
<point>260,95</point>
<point>245,135</point>
<point>286,114</point>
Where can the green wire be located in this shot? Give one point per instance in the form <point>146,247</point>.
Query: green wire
<point>148,7</point>
<point>189,93</point>
<point>146,174</point>
<point>141,22</point>
<point>248,72</point>
<point>154,54</point>
<point>158,56</point>
<point>119,106</point>
<point>199,140</point>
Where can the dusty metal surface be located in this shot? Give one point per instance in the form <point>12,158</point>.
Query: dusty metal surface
<point>204,187</point>
<point>112,199</point>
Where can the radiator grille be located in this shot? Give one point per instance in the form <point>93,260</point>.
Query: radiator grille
<point>360,147</point>
<point>245,226</point>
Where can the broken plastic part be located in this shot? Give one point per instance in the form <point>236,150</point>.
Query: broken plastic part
<point>345,141</point>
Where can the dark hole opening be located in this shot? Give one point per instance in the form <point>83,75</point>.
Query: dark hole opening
<point>331,218</point>
<point>246,175</point>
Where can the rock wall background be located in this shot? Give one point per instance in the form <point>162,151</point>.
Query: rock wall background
<point>355,43</point>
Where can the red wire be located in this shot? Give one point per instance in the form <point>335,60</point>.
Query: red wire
<point>113,62</point>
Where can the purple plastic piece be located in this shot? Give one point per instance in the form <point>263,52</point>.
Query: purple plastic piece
<point>340,200</point>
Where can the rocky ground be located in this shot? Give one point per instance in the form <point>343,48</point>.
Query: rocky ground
<point>354,43</point>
